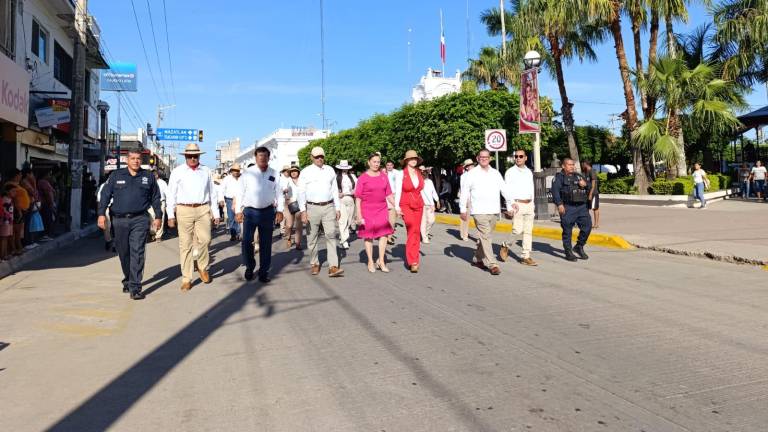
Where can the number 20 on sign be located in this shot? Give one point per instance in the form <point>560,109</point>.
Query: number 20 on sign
<point>496,140</point>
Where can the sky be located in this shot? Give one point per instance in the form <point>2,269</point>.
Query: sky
<point>243,68</point>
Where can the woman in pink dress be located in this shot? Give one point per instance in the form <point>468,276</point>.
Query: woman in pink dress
<point>372,193</point>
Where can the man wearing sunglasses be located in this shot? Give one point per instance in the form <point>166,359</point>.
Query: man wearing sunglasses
<point>192,202</point>
<point>320,207</point>
<point>519,181</point>
<point>570,192</point>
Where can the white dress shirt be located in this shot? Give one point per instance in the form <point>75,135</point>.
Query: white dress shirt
<point>191,186</point>
<point>394,176</point>
<point>519,183</point>
<point>482,187</point>
<point>163,186</point>
<point>230,186</point>
<point>429,193</point>
<point>259,189</point>
<point>219,189</point>
<point>318,185</point>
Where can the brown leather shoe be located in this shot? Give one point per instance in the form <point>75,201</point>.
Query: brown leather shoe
<point>504,253</point>
<point>495,270</point>
<point>335,272</point>
<point>186,286</point>
<point>315,269</point>
<point>414,268</point>
<point>528,262</point>
<point>204,276</point>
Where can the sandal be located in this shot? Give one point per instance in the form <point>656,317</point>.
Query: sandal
<point>381,266</point>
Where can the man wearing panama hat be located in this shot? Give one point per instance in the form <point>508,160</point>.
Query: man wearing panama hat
<point>231,188</point>
<point>345,182</point>
<point>192,201</point>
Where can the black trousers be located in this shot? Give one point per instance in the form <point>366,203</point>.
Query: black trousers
<point>130,241</point>
<point>575,214</point>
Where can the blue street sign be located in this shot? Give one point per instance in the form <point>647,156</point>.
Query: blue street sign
<point>170,134</point>
<point>119,77</point>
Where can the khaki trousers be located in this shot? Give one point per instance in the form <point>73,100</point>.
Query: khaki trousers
<point>485,223</point>
<point>427,220</point>
<point>194,226</point>
<point>464,227</point>
<point>324,216</point>
<point>346,218</point>
<point>522,223</point>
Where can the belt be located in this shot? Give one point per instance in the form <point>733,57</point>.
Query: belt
<point>192,205</point>
<point>325,203</point>
<point>523,201</point>
<point>263,208</point>
<point>128,215</point>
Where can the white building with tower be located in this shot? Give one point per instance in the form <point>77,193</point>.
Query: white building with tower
<point>284,145</point>
<point>434,84</point>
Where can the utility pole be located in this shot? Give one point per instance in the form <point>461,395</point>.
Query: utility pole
<point>75,158</point>
<point>322,62</point>
<point>160,117</point>
<point>503,29</point>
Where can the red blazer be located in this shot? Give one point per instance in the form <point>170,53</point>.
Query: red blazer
<point>411,196</point>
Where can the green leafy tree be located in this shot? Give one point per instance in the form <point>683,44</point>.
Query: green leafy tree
<point>742,30</point>
<point>489,70</point>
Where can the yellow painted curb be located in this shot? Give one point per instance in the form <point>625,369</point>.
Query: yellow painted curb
<point>596,239</point>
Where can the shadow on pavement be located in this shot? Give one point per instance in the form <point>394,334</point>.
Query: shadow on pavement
<point>113,400</point>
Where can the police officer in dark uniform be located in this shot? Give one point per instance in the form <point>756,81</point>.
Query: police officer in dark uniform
<point>132,191</point>
<point>570,192</point>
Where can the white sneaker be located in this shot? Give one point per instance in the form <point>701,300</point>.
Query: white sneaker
<point>345,245</point>
<point>31,246</point>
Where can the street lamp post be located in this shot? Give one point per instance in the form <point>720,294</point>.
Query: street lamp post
<point>532,60</point>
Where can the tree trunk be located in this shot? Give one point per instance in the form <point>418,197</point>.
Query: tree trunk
<point>639,62</point>
<point>641,177</point>
<point>653,43</point>
<point>676,131</point>
<point>671,51</point>
<point>567,107</point>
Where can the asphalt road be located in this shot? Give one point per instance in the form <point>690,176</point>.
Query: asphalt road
<point>627,341</point>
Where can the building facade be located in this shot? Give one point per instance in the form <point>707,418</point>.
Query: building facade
<point>37,71</point>
<point>434,84</point>
<point>226,154</point>
<point>284,145</point>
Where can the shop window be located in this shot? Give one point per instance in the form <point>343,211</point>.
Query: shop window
<point>62,65</point>
<point>40,40</point>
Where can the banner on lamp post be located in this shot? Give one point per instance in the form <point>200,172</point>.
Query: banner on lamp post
<point>530,113</point>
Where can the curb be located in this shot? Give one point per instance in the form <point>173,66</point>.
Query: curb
<point>17,263</point>
<point>595,239</point>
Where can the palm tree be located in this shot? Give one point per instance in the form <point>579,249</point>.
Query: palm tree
<point>697,92</point>
<point>742,30</point>
<point>489,70</point>
<point>561,29</point>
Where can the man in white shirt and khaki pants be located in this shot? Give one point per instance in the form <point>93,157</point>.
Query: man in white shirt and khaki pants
<point>482,187</point>
<point>320,206</point>
<point>519,180</point>
<point>192,203</point>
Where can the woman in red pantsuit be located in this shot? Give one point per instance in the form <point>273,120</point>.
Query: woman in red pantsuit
<point>411,206</point>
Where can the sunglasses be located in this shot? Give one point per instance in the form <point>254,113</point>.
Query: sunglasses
<point>192,157</point>
<point>519,156</point>
<point>319,157</point>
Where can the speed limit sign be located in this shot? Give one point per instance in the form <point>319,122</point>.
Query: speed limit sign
<point>496,140</point>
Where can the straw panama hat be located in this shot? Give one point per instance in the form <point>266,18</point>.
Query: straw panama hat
<point>468,162</point>
<point>235,167</point>
<point>411,154</point>
<point>317,151</point>
<point>285,168</point>
<point>294,168</point>
<point>192,149</point>
<point>344,165</point>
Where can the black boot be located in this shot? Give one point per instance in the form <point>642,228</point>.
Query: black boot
<point>579,250</point>
<point>569,255</point>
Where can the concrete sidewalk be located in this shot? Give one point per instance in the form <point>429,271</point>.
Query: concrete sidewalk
<point>731,230</point>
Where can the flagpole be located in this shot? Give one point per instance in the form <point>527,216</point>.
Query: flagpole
<point>442,42</point>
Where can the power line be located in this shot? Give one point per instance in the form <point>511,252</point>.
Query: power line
<point>168,47</point>
<point>157,52</point>
<point>144,48</point>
